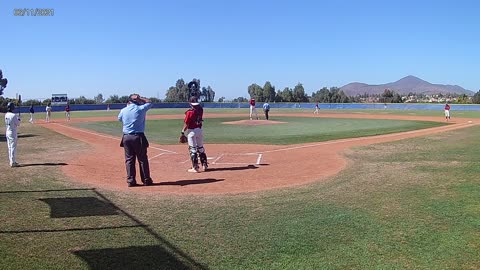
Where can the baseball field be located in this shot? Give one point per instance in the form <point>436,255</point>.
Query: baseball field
<point>339,190</point>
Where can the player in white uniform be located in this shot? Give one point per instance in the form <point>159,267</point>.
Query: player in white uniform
<point>48,111</point>
<point>11,122</point>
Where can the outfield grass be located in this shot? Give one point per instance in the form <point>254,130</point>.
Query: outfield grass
<point>40,116</point>
<point>410,204</point>
<point>294,129</point>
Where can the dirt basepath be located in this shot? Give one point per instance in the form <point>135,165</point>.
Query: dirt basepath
<point>233,168</point>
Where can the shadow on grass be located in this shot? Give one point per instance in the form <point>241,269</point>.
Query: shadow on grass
<point>79,207</point>
<point>165,255</point>
<point>26,135</point>
<point>4,139</point>
<point>189,182</point>
<point>173,251</point>
<point>135,257</point>
<point>71,229</point>
<point>44,190</point>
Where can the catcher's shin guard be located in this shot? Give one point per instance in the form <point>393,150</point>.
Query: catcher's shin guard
<point>194,158</point>
<point>203,160</point>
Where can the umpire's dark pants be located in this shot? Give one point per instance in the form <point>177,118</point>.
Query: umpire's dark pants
<point>135,146</point>
<point>266,113</point>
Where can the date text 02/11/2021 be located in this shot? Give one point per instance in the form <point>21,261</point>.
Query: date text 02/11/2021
<point>33,12</point>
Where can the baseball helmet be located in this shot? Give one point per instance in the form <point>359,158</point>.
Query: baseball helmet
<point>193,85</point>
<point>194,101</point>
<point>10,106</point>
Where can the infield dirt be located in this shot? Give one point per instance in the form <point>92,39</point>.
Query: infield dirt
<point>233,168</point>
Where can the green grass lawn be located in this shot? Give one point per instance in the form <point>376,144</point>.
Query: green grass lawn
<point>294,130</point>
<point>40,116</point>
<point>410,204</point>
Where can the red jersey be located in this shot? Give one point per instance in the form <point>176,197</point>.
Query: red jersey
<point>252,102</point>
<point>67,109</point>
<point>447,107</point>
<point>194,117</point>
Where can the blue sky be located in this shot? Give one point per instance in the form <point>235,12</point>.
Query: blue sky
<point>120,47</point>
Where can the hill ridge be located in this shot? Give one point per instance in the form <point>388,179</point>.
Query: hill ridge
<point>404,86</point>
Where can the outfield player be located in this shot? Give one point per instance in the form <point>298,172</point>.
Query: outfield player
<point>253,109</point>
<point>192,128</point>
<point>447,112</point>
<point>32,112</point>
<point>316,108</point>
<point>11,122</point>
<point>67,112</point>
<point>48,111</point>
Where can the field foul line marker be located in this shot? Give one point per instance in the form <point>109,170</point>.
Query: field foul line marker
<point>447,128</point>
<point>88,132</point>
<point>165,150</point>
<point>110,137</point>
<point>156,156</point>
<point>215,161</point>
<point>259,158</point>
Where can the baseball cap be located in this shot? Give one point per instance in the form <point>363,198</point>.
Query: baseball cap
<point>11,106</point>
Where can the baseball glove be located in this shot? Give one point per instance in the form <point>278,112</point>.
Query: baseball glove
<point>183,138</point>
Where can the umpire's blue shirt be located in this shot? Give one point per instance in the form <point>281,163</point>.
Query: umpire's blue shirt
<point>133,118</point>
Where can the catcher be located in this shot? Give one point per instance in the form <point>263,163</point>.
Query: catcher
<point>193,134</point>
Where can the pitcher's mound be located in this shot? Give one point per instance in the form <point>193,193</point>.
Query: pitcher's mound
<point>254,122</point>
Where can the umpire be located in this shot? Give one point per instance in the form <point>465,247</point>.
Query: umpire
<point>133,140</point>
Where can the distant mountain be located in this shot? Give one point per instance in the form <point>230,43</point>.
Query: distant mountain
<point>403,87</point>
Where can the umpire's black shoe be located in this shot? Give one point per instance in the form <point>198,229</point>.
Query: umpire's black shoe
<point>132,184</point>
<point>148,182</point>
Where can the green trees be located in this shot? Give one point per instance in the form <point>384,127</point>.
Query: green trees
<point>155,100</point>
<point>476,98</point>
<point>332,95</point>
<point>177,93</point>
<point>240,99</point>
<point>389,96</point>
<point>3,82</point>
<point>113,99</point>
<point>463,99</point>
<point>82,100</point>
<point>33,102</point>
<point>268,92</point>
<point>208,95</point>
<point>98,99</point>
<point>180,92</point>
<point>299,94</point>
<point>286,95</point>
<point>322,96</point>
<point>256,91</point>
